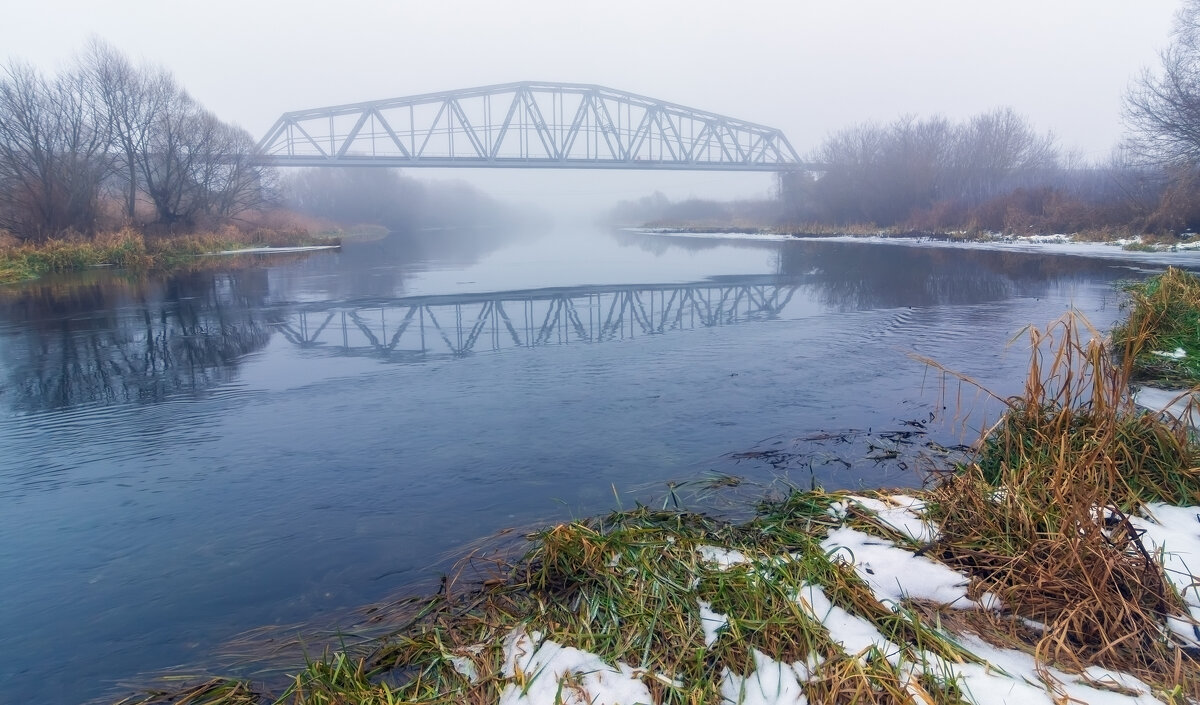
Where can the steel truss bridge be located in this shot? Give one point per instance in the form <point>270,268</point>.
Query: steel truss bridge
<point>458,325</point>
<point>528,124</point>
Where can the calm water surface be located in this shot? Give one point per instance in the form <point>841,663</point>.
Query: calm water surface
<point>185,458</point>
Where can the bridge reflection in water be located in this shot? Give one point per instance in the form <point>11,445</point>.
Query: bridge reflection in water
<point>457,325</point>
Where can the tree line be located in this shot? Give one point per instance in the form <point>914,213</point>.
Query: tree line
<point>883,173</point>
<point>105,143</point>
<point>993,171</point>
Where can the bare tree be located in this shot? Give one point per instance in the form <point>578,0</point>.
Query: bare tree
<point>844,191</point>
<point>997,152</point>
<point>54,152</point>
<point>232,180</point>
<point>1162,108</point>
<point>187,162</point>
<point>194,165</point>
<point>106,121</point>
<point>133,98</point>
<point>906,170</point>
<point>880,174</point>
<point>914,160</point>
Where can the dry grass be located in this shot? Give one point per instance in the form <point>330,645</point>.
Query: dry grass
<point>1040,518</point>
<point>131,250</point>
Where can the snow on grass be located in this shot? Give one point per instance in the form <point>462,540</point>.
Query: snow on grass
<point>1176,402</point>
<point>894,574</point>
<point>723,558</point>
<point>543,672</point>
<point>1002,676</point>
<point>857,636</point>
<point>711,622</point>
<point>466,667</point>
<point>1173,535</point>
<point>548,673</point>
<point>771,682</point>
<point>902,513</point>
<point>1055,239</point>
<point>1011,676</point>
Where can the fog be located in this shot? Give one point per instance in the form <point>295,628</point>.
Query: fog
<point>807,68</point>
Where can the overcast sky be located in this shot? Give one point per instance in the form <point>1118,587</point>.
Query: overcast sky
<point>804,66</point>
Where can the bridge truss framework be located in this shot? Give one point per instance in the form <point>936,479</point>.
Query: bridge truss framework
<point>458,325</point>
<point>527,124</point>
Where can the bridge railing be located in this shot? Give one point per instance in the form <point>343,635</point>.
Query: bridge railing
<point>526,124</point>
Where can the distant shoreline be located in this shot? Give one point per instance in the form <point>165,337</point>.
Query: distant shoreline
<point>1087,239</point>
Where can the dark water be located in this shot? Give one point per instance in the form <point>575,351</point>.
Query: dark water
<point>189,457</point>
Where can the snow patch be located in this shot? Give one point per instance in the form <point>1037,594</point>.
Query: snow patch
<point>894,574</point>
<point>724,558</point>
<point>553,674</point>
<point>838,510</point>
<point>261,250</point>
<point>902,513</point>
<point>466,667</point>
<point>771,683</point>
<point>1012,676</point>
<point>1173,535</point>
<point>1176,402</point>
<point>855,634</point>
<point>711,622</point>
<point>1176,354</point>
<point>671,232</point>
<point>1184,254</point>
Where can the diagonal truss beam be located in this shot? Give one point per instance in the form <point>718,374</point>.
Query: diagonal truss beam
<point>527,124</point>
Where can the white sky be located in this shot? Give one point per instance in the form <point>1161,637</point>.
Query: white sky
<point>805,66</point>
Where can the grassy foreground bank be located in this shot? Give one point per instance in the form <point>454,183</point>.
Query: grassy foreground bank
<point>1162,332</point>
<point>1061,565</point>
<point>131,250</point>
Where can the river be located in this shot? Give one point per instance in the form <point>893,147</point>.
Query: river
<point>185,457</point>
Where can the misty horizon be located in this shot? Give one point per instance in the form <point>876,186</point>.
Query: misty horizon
<point>807,70</point>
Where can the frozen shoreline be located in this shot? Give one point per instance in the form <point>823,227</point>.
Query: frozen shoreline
<point>1183,253</point>
<point>274,250</point>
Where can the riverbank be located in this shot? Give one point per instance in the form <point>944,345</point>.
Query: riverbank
<point>1125,240</point>
<point>1060,562</point>
<point>130,249</point>
<point>1162,332</point>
